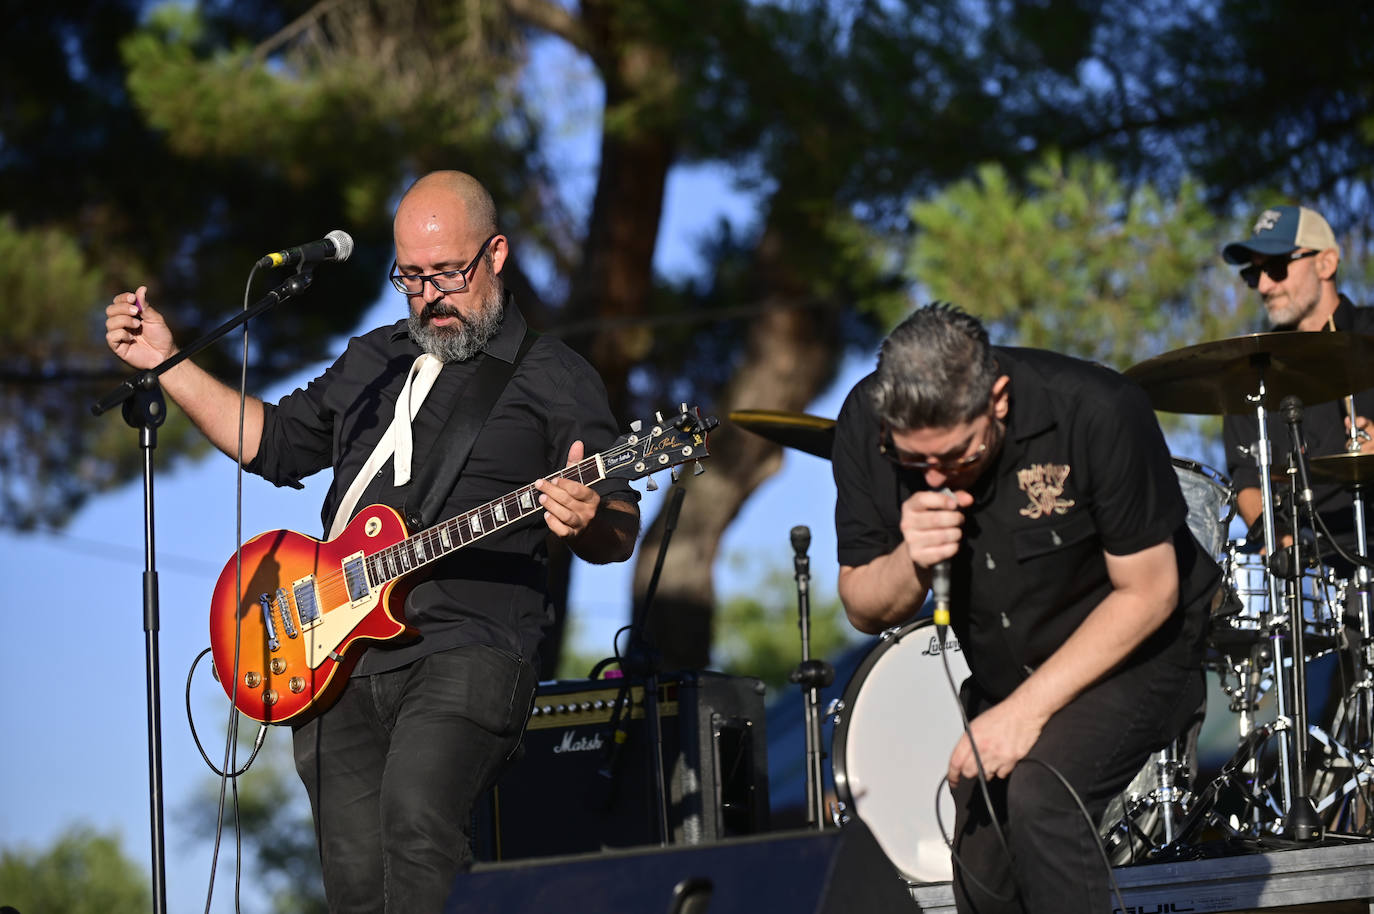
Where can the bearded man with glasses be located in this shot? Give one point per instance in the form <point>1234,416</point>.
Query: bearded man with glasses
<point>1078,594</point>
<point>1291,259</point>
<point>394,765</point>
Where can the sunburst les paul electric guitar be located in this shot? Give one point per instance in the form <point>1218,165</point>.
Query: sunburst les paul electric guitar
<point>306,609</point>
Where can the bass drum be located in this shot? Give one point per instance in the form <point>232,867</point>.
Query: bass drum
<point>895,728</point>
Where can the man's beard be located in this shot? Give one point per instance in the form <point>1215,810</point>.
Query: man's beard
<point>460,341</point>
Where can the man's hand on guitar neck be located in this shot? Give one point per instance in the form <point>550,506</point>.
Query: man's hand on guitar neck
<point>598,532</point>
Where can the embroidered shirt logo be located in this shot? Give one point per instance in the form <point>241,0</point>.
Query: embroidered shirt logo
<point>1044,483</point>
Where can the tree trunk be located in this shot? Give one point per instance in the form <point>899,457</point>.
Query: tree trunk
<point>792,353</point>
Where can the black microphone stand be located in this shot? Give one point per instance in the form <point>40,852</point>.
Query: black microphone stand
<point>1301,822</point>
<point>144,408</point>
<point>812,676</point>
<point>641,663</point>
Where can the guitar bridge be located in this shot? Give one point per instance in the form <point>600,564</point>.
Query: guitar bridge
<point>268,623</point>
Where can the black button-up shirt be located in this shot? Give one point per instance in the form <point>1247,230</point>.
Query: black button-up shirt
<point>1323,428</point>
<point>493,591</point>
<point>1083,470</point>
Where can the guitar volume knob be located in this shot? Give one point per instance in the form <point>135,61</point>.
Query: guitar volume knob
<point>278,665</point>
<point>296,684</point>
<point>252,679</point>
<point>269,697</point>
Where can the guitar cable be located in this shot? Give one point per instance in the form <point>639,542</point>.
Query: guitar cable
<point>987,799</point>
<point>228,771</point>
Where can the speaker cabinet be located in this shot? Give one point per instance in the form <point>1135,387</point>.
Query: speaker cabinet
<point>836,871</point>
<point>576,788</point>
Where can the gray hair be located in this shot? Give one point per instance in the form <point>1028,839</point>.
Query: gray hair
<point>936,370</point>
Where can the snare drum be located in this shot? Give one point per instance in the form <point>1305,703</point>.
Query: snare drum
<point>1211,504</point>
<point>895,728</point>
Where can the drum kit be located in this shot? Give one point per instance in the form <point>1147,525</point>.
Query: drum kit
<point>1289,778</point>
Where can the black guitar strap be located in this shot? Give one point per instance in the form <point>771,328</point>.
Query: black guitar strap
<point>434,482</point>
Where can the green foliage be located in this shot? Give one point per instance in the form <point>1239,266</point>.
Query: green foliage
<point>759,631</point>
<point>1077,260</point>
<point>84,872</point>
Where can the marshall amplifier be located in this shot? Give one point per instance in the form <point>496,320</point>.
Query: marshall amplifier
<point>569,792</point>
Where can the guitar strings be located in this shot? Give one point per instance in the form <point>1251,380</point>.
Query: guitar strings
<point>335,578</point>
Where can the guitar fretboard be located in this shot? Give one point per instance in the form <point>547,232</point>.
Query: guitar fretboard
<point>456,532</point>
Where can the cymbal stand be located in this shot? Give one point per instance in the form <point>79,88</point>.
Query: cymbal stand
<point>1300,818</point>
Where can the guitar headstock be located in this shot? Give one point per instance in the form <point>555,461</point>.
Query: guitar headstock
<point>667,441</point>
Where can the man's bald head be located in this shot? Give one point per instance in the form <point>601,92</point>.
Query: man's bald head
<point>440,191</point>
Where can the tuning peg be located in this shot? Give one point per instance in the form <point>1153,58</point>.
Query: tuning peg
<point>658,416</point>
<point>649,484</point>
<point>636,425</point>
<point>697,468</point>
<point>682,407</point>
<point>676,473</point>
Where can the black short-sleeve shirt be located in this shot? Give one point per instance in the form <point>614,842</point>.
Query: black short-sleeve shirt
<point>1083,471</point>
<point>1323,428</point>
<point>493,591</point>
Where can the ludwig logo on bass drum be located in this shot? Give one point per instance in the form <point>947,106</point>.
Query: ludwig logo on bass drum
<point>585,744</point>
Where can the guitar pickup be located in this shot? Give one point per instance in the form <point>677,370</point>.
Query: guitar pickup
<point>355,578</point>
<point>307,604</point>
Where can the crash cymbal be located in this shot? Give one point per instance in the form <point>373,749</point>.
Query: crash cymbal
<point>803,431</point>
<point>1347,469</point>
<point>1215,378</point>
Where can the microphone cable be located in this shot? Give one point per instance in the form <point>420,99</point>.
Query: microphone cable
<point>992,813</point>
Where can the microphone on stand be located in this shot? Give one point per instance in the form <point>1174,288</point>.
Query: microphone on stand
<point>1291,407</point>
<point>337,245</point>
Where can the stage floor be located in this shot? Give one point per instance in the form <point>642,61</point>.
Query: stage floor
<point>1329,879</point>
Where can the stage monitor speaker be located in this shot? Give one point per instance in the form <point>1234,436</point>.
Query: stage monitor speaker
<point>835,871</point>
<point>570,792</point>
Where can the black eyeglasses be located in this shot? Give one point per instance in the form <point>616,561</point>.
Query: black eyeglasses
<point>1276,268</point>
<point>447,281</point>
<point>888,449</point>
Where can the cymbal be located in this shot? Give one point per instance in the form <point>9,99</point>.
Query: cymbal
<point>1349,469</point>
<point>1215,378</point>
<point>803,431</point>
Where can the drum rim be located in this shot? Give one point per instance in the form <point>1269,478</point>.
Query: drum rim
<point>839,739</point>
<point>1211,474</point>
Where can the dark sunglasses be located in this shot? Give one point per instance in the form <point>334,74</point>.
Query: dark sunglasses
<point>1276,268</point>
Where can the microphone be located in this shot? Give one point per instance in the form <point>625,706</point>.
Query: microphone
<point>1291,407</point>
<point>337,245</point>
<point>939,588</point>
<point>801,540</point>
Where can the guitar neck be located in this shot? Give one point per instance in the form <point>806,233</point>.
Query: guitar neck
<point>449,536</point>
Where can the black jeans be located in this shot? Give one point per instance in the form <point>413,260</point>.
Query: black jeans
<point>1099,741</point>
<point>393,769</point>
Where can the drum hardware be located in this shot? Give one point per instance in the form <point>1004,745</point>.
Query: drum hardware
<point>1256,373</point>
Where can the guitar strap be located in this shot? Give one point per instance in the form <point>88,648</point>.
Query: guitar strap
<point>431,486</point>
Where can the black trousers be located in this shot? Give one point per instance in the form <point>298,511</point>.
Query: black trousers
<point>1098,742</point>
<point>393,769</point>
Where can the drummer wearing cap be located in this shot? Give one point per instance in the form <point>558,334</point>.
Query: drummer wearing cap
<point>1077,593</point>
<point>1291,259</point>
